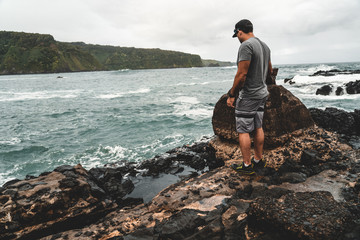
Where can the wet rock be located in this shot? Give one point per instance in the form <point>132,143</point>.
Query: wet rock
<point>111,181</point>
<point>303,215</point>
<point>290,80</point>
<point>309,157</point>
<point>293,177</point>
<point>337,120</point>
<point>324,90</point>
<point>50,203</point>
<point>339,91</point>
<point>334,72</point>
<point>353,87</point>
<point>64,168</point>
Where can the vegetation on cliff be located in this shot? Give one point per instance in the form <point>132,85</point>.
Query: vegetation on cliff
<point>40,53</point>
<point>215,63</point>
<point>114,58</point>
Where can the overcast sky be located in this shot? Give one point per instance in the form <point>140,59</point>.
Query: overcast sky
<point>297,31</point>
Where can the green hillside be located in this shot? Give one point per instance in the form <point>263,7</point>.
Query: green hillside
<point>114,58</point>
<point>40,53</point>
<point>215,63</point>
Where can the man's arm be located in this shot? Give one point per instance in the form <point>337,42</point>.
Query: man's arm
<point>239,81</point>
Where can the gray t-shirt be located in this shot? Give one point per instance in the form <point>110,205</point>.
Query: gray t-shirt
<point>258,53</point>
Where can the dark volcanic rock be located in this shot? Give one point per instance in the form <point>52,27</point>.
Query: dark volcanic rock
<point>339,91</point>
<point>57,201</point>
<point>324,90</point>
<point>353,87</point>
<point>290,80</point>
<point>284,113</point>
<point>337,120</point>
<point>302,215</point>
<point>334,72</point>
<point>309,157</point>
<point>197,156</point>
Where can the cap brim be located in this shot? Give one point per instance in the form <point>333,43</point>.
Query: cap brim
<point>235,35</point>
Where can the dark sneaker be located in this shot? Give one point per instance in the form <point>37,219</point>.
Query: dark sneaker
<point>242,169</point>
<point>261,164</point>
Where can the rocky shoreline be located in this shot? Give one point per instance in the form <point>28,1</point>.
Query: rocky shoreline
<point>310,190</point>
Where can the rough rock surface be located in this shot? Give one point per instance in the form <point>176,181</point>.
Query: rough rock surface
<point>334,72</point>
<point>284,113</point>
<point>334,119</point>
<point>72,197</point>
<point>325,90</point>
<point>62,199</point>
<point>221,204</point>
<point>324,219</point>
<point>353,87</point>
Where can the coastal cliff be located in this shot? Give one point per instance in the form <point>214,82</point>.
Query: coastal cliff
<point>310,189</point>
<point>22,53</point>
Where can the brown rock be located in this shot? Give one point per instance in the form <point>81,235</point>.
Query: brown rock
<point>57,201</point>
<point>284,113</point>
<point>302,215</point>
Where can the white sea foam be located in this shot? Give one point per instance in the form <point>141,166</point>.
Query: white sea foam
<point>121,94</point>
<point>229,67</point>
<point>140,90</point>
<point>12,141</point>
<point>22,96</point>
<point>186,100</point>
<point>110,96</point>
<point>201,83</point>
<point>320,67</point>
<point>102,155</point>
<point>167,142</point>
<point>194,113</point>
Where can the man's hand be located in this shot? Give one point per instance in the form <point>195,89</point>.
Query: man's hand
<point>230,102</point>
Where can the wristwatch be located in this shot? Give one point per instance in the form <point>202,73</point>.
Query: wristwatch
<point>230,95</point>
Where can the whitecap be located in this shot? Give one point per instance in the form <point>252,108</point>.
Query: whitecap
<point>313,69</point>
<point>141,90</point>
<point>12,141</point>
<point>186,100</point>
<point>110,96</point>
<point>103,155</point>
<point>195,113</point>
<point>121,94</point>
<point>166,142</point>
<point>22,96</point>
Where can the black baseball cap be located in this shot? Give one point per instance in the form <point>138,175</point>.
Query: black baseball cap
<point>243,25</point>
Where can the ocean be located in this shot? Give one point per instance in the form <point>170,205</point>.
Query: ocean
<point>98,118</point>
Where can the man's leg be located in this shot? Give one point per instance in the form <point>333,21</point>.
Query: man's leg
<point>245,146</point>
<point>259,143</point>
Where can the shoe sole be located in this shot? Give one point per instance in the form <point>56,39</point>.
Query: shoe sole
<point>242,172</point>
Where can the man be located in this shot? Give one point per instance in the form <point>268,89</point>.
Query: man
<point>253,66</point>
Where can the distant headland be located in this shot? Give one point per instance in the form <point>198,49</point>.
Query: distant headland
<point>24,53</point>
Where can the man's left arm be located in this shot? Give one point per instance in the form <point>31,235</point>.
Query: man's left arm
<point>239,82</point>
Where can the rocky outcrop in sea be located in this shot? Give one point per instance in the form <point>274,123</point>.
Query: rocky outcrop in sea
<point>310,189</point>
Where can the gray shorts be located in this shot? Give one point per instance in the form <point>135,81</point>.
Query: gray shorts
<point>249,114</point>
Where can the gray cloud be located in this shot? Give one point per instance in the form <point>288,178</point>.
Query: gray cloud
<point>296,30</point>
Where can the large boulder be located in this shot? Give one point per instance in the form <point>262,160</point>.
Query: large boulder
<point>284,113</point>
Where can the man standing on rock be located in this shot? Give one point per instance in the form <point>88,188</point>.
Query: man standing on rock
<point>253,66</point>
